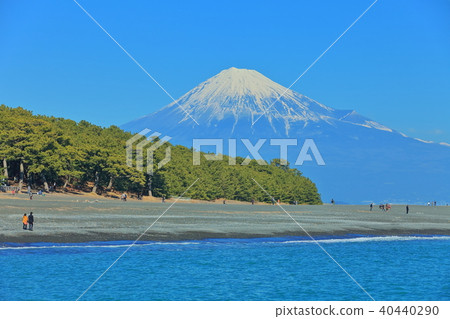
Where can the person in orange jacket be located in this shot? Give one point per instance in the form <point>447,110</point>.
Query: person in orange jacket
<point>25,221</point>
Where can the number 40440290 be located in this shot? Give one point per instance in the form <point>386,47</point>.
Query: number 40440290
<point>410,310</point>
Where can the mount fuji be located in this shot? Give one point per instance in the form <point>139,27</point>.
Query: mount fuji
<point>365,160</point>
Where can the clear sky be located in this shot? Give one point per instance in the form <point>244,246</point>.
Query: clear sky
<point>393,66</point>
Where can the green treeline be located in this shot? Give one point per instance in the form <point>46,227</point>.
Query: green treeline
<point>42,151</point>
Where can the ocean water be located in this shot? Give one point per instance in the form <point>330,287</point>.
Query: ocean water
<point>389,268</point>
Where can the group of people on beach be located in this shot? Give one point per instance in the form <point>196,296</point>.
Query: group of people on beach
<point>387,207</point>
<point>384,207</point>
<point>28,221</point>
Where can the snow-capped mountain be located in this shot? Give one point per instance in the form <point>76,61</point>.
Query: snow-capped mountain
<point>240,95</point>
<point>365,160</point>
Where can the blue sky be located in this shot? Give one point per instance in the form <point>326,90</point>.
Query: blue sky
<point>393,66</point>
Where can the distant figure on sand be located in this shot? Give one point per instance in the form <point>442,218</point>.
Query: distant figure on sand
<point>371,206</point>
<point>332,201</point>
<point>124,197</point>
<point>25,221</point>
<point>30,221</point>
<point>163,199</point>
<point>253,201</point>
<point>407,209</point>
<point>224,202</point>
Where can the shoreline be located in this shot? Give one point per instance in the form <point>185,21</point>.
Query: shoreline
<point>75,238</point>
<point>272,239</point>
<point>67,219</point>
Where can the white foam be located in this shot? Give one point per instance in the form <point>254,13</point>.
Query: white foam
<point>98,246</point>
<point>423,141</point>
<point>368,239</point>
<point>304,241</point>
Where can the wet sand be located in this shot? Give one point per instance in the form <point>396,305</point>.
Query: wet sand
<point>71,218</point>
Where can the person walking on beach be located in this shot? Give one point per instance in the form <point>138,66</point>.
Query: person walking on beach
<point>407,209</point>
<point>30,221</point>
<point>371,206</point>
<point>30,193</point>
<point>24,221</point>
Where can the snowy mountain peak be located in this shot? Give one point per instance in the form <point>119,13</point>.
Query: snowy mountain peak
<point>241,96</point>
<point>235,82</point>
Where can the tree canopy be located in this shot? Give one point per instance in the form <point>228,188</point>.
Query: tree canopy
<point>42,150</point>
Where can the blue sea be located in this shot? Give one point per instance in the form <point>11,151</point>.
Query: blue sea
<point>388,268</point>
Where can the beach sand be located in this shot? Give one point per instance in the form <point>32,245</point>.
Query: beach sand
<point>76,218</point>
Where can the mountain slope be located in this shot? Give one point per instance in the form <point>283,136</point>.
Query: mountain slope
<point>365,160</point>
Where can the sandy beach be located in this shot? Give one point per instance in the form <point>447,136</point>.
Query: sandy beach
<point>75,218</point>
